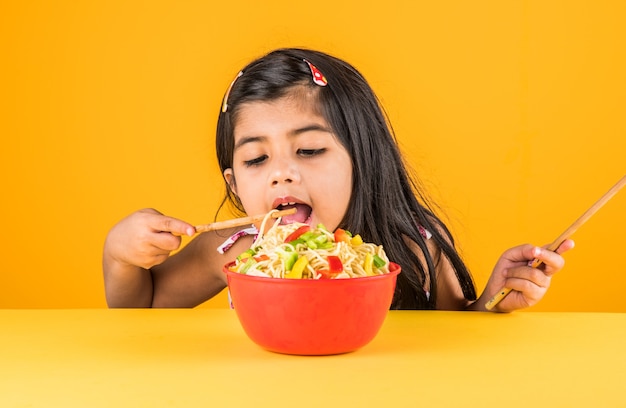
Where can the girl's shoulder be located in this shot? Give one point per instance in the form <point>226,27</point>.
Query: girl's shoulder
<point>431,245</point>
<point>236,236</point>
<point>449,293</point>
<point>212,249</point>
<point>226,243</point>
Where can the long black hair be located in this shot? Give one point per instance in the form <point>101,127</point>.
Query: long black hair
<point>386,202</point>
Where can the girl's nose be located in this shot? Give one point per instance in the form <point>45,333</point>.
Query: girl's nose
<point>284,171</point>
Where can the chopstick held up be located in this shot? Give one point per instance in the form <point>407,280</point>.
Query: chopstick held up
<point>501,294</point>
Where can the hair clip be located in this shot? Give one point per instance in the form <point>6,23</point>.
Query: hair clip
<point>225,103</point>
<point>318,77</point>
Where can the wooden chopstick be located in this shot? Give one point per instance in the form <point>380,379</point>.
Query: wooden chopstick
<point>236,222</point>
<point>501,294</point>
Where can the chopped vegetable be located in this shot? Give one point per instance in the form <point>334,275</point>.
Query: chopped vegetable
<point>325,274</point>
<point>298,268</point>
<point>342,235</point>
<point>334,264</point>
<point>356,240</point>
<point>297,233</point>
<point>289,258</point>
<point>367,264</point>
<point>246,254</point>
<point>249,262</point>
<point>318,242</point>
<point>379,262</point>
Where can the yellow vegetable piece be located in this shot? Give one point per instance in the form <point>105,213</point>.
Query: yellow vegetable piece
<point>367,264</point>
<point>298,268</point>
<point>356,240</point>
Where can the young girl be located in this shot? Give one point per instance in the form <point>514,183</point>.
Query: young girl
<point>302,129</point>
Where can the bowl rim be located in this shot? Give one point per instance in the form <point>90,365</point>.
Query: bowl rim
<point>392,272</point>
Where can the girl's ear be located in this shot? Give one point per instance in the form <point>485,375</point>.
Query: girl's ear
<point>230,180</point>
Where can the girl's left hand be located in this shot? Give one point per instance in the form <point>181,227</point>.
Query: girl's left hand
<point>528,284</point>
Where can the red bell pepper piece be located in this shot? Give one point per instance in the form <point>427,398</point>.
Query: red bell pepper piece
<point>334,264</point>
<point>325,274</point>
<point>342,236</point>
<point>294,235</point>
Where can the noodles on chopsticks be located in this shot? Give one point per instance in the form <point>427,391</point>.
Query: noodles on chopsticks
<point>302,252</point>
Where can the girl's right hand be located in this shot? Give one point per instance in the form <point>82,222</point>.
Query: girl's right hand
<point>145,238</point>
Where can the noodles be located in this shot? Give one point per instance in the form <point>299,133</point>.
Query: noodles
<point>301,252</point>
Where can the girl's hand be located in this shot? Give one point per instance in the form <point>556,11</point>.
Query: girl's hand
<point>528,284</point>
<point>145,238</point>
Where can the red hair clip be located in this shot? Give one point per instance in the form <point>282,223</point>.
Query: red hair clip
<point>318,77</point>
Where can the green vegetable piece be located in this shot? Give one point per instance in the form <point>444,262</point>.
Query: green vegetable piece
<point>378,261</point>
<point>308,235</point>
<point>296,242</point>
<point>320,239</point>
<point>311,243</point>
<point>246,254</point>
<point>289,258</point>
<point>251,261</point>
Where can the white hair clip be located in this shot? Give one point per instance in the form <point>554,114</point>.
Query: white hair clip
<point>225,103</point>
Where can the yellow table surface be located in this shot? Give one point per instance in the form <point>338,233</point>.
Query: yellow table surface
<point>202,357</point>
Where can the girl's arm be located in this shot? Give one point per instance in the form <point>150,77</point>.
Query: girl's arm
<point>138,269</point>
<point>512,270</point>
<point>133,246</point>
<point>195,274</point>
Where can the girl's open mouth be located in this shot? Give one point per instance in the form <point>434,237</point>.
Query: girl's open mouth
<point>302,215</point>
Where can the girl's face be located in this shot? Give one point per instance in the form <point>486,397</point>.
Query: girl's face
<point>287,156</point>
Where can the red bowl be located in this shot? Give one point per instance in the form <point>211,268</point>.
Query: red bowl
<point>312,316</point>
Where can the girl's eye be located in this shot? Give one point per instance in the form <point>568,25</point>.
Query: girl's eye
<point>310,152</point>
<point>256,161</point>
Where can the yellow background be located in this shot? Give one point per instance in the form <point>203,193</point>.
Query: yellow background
<point>511,111</point>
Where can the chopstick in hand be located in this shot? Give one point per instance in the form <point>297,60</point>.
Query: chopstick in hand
<point>566,234</point>
<point>236,222</point>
